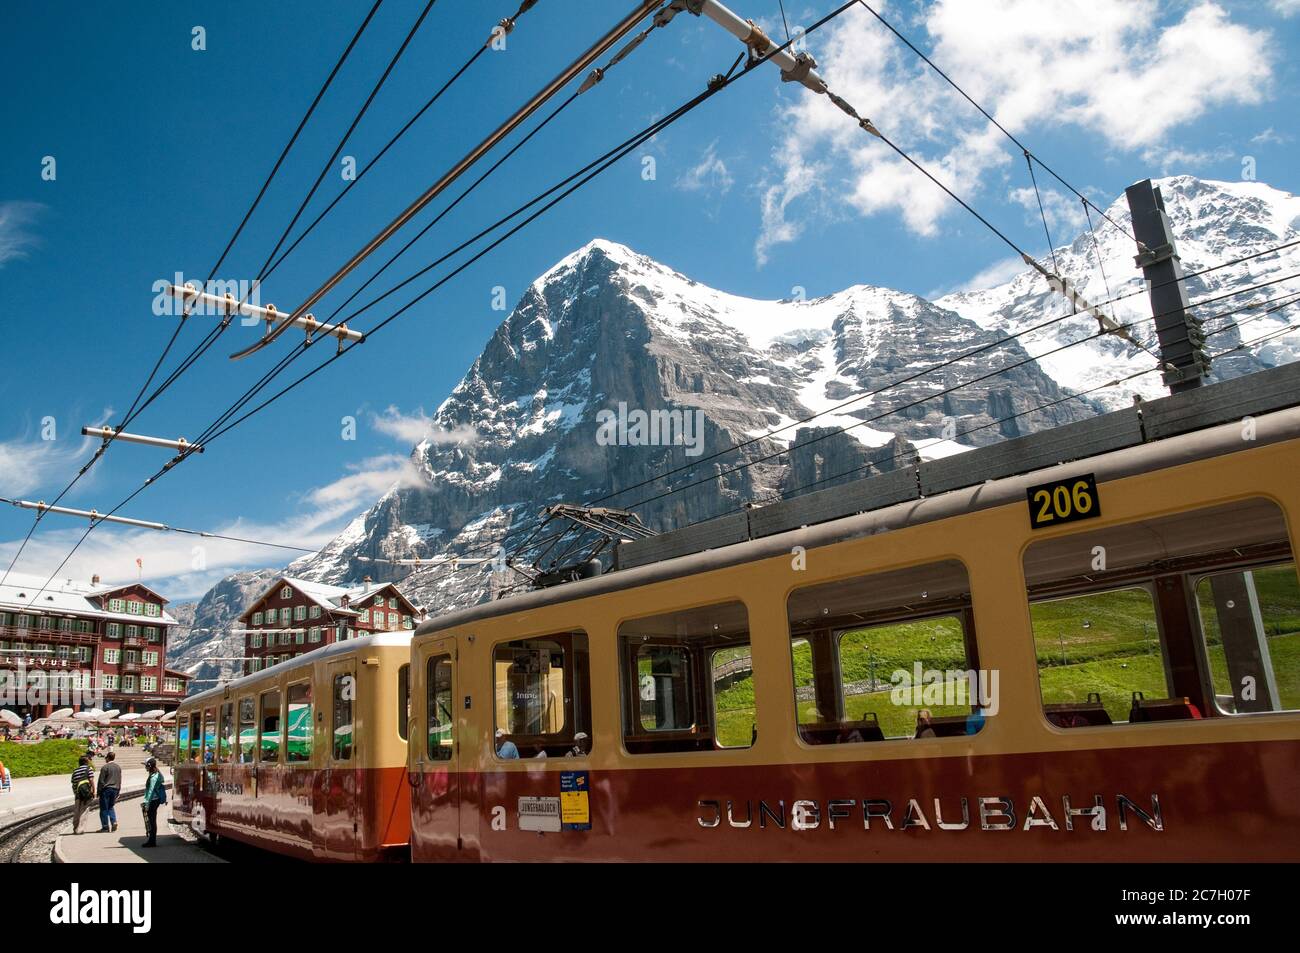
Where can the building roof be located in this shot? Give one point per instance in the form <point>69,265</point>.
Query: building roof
<point>326,596</point>
<point>67,597</point>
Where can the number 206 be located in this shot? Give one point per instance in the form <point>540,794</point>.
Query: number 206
<point>1062,502</point>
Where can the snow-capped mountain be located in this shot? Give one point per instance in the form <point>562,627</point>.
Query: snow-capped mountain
<point>547,412</point>
<point>1213,222</point>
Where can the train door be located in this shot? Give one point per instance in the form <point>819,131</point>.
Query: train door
<point>434,757</point>
<point>340,815</point>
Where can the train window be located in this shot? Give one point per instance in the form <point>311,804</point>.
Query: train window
<point>1250,626</point>
<point>196,736</point>
<point>209,735</point>
<point>403,701</point>
<point>226,733</point>
<point>688,681</point>
<point>182,738</point>
<point>888,656</point>
<point>247,729</point>
<point>542,696</point>
<point>1115,613</point>
<point>272,731</point>
<point>440,709</point>
<point>298,724</point>
<point>344,686</point>
<point>1094,651</point>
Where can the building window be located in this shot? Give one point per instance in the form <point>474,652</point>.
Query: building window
<point>299,723</point>
<point>257,618</point>
<point>110,682</point>
<point>87,653</point>
<point>152,609</point>
<point>148,683</point>
<point>134,608</point>
<point>272,732</point>
<point>392,621</point>
<point>132,631</point>
<point>150,658</point>
<point>63,651</point>
<point>542,694</point>
<point>286,615</point>
<point>286,593</point>
<point>116,605</point>
<point>677,696</point>
<point>1209,591</point>
<point>298,637</point>
<point>315,612</point>
<point>128,683</point>
<point>392,602</point>
<point>115,631</point>
<point>255,640</point>
<point>440,710</point>
<point>153,634</point>
<point>111,656</point>
<point>299,613</point>
<point>363,617</point>
<point>65,625</point>
<point>314,634</point>
<point>171,685</point>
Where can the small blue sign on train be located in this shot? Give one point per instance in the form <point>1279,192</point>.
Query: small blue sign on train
<point>575,803</point>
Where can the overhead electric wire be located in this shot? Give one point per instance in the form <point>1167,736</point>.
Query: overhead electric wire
<point>164,528</point>
<point>951,82</point>
<point>712,90</point>
<point>132,411</point>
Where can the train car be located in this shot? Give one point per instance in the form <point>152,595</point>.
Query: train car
<point>306,758</point>
<point>1088,661</point>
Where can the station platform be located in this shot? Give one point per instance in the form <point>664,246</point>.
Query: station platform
<point>124,845</point>
<point>34,794</point>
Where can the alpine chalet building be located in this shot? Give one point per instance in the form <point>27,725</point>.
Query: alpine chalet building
<point>294,616</point>
<point>74,638</point>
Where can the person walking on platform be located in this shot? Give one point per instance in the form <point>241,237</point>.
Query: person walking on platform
<point>110,784</point>
<point>83,791</point>
<point>155,796</point>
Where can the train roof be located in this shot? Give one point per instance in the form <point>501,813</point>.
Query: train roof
<point>377,640</point>
<point>1193,425</point>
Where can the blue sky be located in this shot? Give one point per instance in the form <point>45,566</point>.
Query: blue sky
<point>159,148</point>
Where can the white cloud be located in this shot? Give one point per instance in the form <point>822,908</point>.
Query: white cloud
<point>417,428</point>
<point>15,236</point>
<point>30,464</point>
<point>1288,8</point>
<point>1177,159</point>
<point>1271,136</point>
<point>994,276</point>
<point>709,174</point>
<point>366,480</point>
<point>1064,213</point>
<point>1032,63</point>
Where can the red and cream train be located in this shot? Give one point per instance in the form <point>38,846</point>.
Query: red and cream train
<point>586,721</point>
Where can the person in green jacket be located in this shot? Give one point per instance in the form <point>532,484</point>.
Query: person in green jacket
<point>155,795</point>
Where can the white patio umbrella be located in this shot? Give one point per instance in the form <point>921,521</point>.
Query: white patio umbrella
<point>129,716</point>
<point>85,716</point>
<point>62,713</point>
<point>9,718</point>
<point>153,713</point>
<point>169,717</point>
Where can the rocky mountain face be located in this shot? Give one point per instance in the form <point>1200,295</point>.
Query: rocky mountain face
<point>204,632</point>
<point>613,370</point>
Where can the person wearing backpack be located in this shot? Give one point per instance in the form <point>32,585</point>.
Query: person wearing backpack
<point>155,796</point>
<point>83,791</point>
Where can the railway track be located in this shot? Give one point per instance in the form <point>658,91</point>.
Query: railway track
<point>17,836</point>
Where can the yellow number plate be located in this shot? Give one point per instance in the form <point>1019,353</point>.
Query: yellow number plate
<point>1063,501</point>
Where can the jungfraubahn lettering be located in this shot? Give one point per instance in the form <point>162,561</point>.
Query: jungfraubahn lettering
<point>998,813</point>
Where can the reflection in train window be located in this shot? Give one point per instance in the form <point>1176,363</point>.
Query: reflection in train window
<point>1115,612</point>
<point>344,687</point>
<point>440,709</point>
<point>247,729</point>
<point>889,655</point>
<point>688,681</point>
<point>298,724</point>
<point>1250,623</point>
<point>542,696</point>
<point>226,733</point>
<point>272,730</point>
<point>196,736</point>
<point>403,701</point>
<point>209,735</point>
